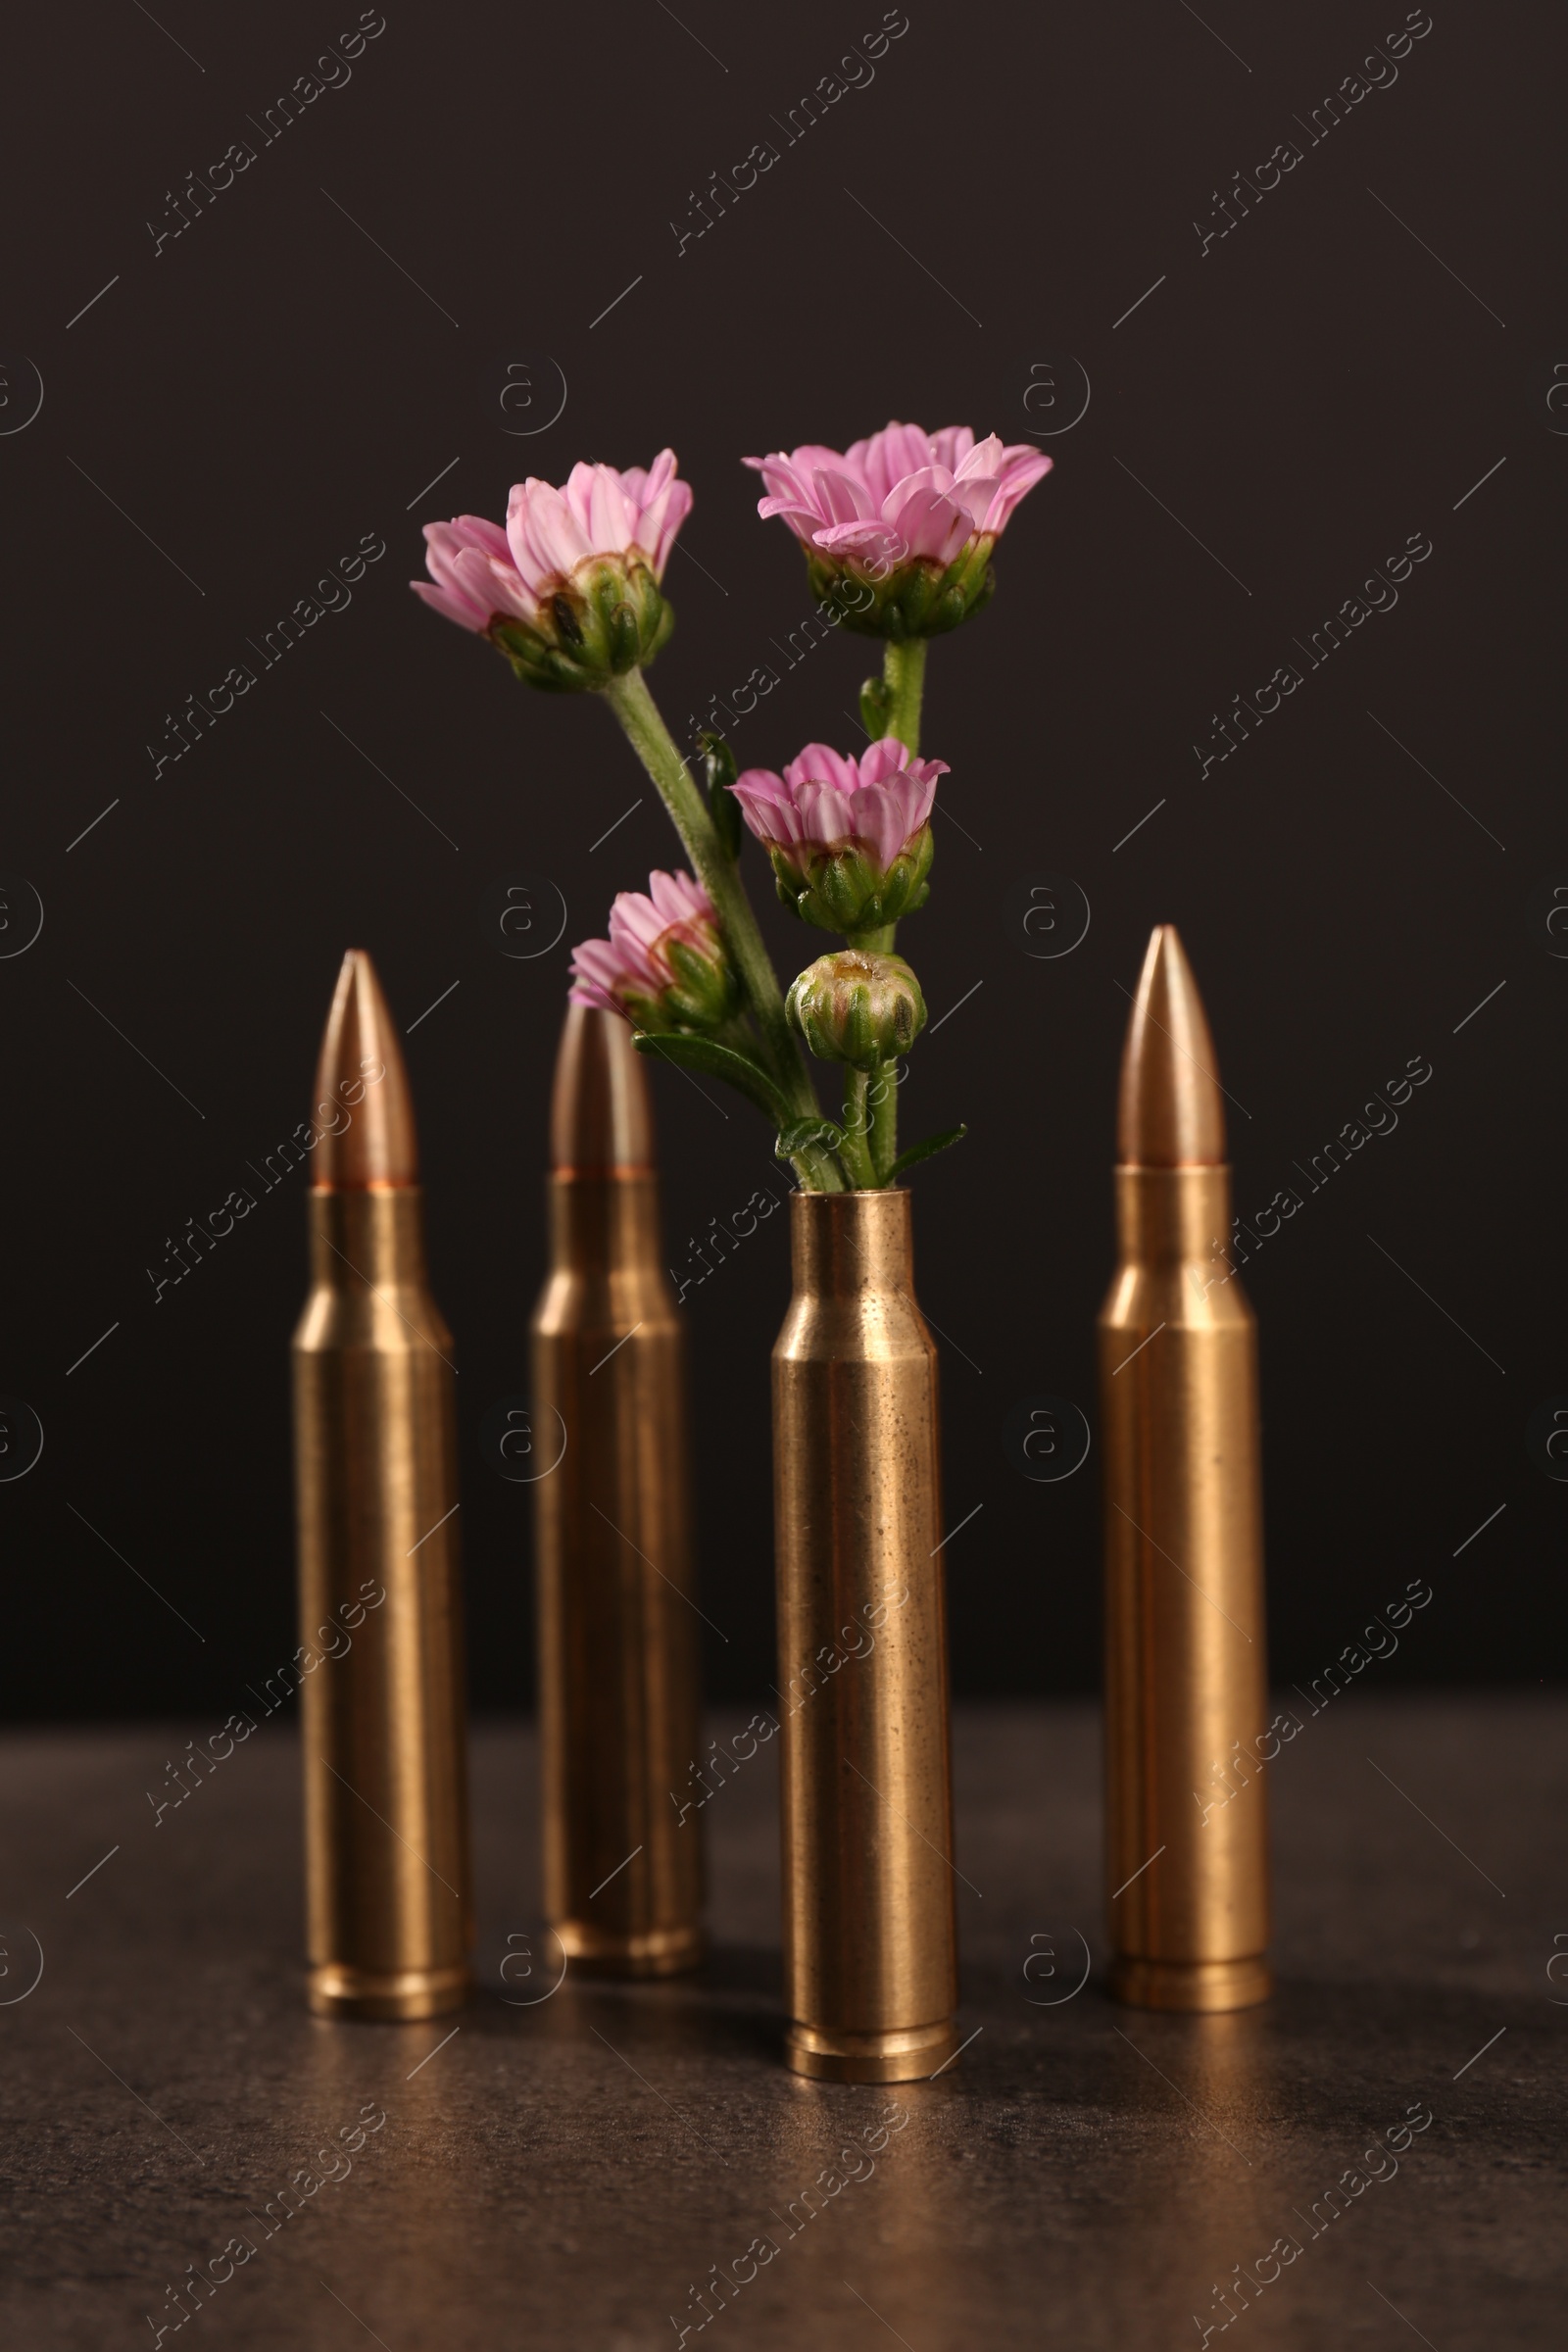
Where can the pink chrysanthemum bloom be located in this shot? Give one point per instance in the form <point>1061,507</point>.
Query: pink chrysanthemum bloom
<point>850,840</point>
<point>663,964</point>
<point>898,530</point>
<point>570,590</point>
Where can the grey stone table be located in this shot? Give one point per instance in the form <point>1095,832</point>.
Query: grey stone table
<point>567,2171</point>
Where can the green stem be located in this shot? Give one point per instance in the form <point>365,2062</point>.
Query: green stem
<point>882,1101</point>
<point>628,696</point>
<point>882,1120</point>
<point>855,1148</point>
<point>904,676</point>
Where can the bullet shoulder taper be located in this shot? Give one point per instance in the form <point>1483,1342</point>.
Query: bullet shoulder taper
<point>361,1088</point>
<point>1171,1113</point>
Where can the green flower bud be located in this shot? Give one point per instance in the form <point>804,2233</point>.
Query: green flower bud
<point>857,1008</point>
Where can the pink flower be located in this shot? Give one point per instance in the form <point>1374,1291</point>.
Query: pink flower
<point>598,513</point>
<point>828,799</point>
<point>901,496</point>
<point>850,839</point>
<point>663,964</point>
<point>570,590</point>
<point>475,577</point>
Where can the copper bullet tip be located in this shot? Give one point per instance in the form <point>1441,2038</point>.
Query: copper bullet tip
<point>600,1117</point>
<point>363,1105</point>
<point>1170,1113</point>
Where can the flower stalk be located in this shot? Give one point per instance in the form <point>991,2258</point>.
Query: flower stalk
<point>855,1150</point>
<point>902,687</point>
<point>882,1120</point>
<point>645,730</point>
<point>902,691</point>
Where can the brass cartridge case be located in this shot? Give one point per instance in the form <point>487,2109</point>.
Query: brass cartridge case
<point>618,1668</point>
<point>1186,1666</point>
<point>389,1910</point>
<point>870,1936</point>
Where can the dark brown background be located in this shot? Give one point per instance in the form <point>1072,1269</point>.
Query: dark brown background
<point>1303,396</point>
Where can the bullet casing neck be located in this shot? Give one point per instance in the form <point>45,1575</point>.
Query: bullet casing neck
<point>843,1242</point>
<point>604,1224</point>
<point>1172,1215</point>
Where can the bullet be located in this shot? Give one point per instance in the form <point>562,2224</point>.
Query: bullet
<point>389,1908</point>
<point>618,1689</point>
<point>1186,1666</point>
<point>870,1936</point>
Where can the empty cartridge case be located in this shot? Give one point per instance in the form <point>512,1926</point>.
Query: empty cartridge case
<point>1186,1670</point>
<point>870,1940</point>
<point>389,1913</point>
<point>618,1692</point>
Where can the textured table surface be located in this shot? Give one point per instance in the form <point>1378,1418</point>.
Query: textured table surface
<point>564,2173</point>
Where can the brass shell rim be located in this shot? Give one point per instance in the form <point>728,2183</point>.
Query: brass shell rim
<point>1193,1986</point>
<point>896,2054</point>
<point>605,1172</point>
<point>337,1988</point>
<point>366,1184</point>
<point>647,1952</point>
<point>861,1192</point>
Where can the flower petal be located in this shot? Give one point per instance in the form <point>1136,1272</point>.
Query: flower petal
<point>819,763</point>
<point>766,806</point>
<point>869,542</point>
<point>597,973</point>
<point>887,457</point>
<point>843,496</point>
<point>929,517</point>
<point>611,518</point>
<point>951,446</point>
<point>826,816</point>
<point>452,604</point>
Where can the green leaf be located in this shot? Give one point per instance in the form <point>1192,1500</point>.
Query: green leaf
<point>802,1132</point>
<point>704,1054</point>
<point>718,760</point>
<point>876,706</point>
<point>927,1150</point>
<point>719,771</point>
